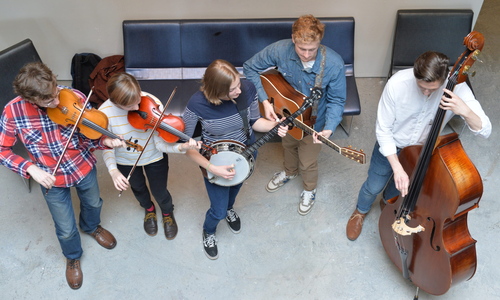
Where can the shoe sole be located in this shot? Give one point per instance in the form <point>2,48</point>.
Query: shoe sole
<point>274,190</point>
<point>211,257</point>
<point>304,213</point>
<point>232,228</point>
<point>171,238</point>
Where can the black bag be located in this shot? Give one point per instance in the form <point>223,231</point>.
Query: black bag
<point>82,66</point>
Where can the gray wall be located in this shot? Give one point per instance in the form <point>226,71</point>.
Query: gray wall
<point>59,29</point>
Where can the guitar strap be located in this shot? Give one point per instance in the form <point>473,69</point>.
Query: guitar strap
<point>317,83</point>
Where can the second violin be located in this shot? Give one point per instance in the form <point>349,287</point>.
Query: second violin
<point>171,127</point>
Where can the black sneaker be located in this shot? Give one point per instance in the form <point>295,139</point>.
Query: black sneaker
<point>210,245</point>
<point>233,221</point>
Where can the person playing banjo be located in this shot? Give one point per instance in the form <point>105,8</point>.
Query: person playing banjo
<point>228,111</point>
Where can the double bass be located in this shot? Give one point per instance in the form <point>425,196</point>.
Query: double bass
<point>425,233</point>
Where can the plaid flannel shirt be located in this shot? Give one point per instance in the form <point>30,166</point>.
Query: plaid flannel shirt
<point>45,142</point>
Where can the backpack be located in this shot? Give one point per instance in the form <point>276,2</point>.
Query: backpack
<point>100,76</point>
<point>82,64</point>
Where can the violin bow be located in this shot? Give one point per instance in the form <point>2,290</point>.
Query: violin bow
<point>71,136</point>
<point>149,137</point>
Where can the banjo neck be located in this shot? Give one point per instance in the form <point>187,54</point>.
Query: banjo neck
<point>316,94</point>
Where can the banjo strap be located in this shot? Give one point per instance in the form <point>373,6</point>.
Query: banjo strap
<point>242,107</point>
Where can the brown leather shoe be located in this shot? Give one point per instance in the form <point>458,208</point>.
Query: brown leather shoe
<point>150,223</point>
<point>354,225</point>
<point>74,275</point>
<point>170,226</point>
<point>104,238</point>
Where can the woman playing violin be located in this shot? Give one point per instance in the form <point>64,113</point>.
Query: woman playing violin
<point>25,118</point>
<point>124,96</point>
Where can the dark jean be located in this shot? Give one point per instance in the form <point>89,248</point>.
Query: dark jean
<point>157,174</point>
<point>61,207</point>
<point>222,199</point>
<point>380,178</point>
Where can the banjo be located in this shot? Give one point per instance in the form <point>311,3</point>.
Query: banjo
<point>230,152</point>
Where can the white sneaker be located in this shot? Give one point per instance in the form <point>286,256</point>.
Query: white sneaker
<point>306,201</point>
<point>278,180</point>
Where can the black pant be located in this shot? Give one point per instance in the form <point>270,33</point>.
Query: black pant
<point>157,174</point>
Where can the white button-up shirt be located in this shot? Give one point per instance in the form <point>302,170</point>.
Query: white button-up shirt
<point>405,115</point>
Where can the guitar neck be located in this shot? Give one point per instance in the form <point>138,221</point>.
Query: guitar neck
<point>310,131</point>
<point>350,153</point>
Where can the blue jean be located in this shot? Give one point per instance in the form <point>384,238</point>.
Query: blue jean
<point>222,199</point>
<point>380,178</point>
<point>61,207</point>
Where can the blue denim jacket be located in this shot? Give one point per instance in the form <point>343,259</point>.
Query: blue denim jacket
<point>282,54</point>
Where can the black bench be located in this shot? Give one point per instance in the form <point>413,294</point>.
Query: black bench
<point>163,54</point>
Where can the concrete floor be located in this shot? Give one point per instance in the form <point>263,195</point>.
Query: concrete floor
<point>278,254</point>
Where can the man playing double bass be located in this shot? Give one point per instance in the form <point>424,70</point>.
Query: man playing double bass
<point>25,118</point>
<point>405,114</point>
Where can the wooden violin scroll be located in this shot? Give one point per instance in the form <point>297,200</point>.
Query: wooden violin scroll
<point>474,43</point>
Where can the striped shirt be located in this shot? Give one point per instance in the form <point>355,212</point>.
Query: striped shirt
<point>45,141</point>
<point>222,122</point>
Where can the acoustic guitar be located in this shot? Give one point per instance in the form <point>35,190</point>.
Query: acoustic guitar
<point>286,99</point>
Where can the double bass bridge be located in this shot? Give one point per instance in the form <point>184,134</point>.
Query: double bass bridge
<point>400,227</point>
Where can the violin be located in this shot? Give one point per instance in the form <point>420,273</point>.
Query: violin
<point>170,129</point>
<point>92,123</point>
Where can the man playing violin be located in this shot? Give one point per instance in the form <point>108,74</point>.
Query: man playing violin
<point>304,63</point>
<point>25,118</point>
<point>405,115</point>
<point>125,96</point>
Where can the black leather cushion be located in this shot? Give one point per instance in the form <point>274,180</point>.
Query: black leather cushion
<point>421,30</point>
<point>152,44</point>
<point>12,60</point>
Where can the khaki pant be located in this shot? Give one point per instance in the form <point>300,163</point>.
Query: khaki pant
<point>301,157</point>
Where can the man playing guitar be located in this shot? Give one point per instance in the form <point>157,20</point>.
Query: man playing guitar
<point>304,63</point>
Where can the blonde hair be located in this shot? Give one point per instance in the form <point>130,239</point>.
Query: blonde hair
<point>307,29</point>
<point>123,89</point>
<point>35,82</point>
<point>217,80</point>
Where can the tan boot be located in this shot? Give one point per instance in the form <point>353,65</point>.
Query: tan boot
<point>74,275</point>
<point>354,225</point>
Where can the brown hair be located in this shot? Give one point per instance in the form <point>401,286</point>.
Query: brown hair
<point>35,82</point>
<point>123,89</point>
<point>308,29</point>
<point>431,66</point>
<point>217,80</point>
